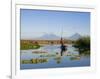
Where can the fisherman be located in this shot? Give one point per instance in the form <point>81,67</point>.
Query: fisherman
<point>63,47</point>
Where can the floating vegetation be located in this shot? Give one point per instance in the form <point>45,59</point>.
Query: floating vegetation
<point>39,52</point>
<point>48,55</point>
<point>26,62</point>
<point>34,61</point>
<point>57,58</point>
<point>71,54</point>
<point>75,58</point>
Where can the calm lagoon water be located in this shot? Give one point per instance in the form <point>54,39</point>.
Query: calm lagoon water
<point>70,58</point>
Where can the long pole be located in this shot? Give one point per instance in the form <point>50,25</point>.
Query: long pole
<point>61,35</point>
<point>61,32</point>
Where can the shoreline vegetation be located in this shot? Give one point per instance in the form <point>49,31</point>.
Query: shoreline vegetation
<point>83,45</point>
<point>29,45</point>
<point>36,44</point>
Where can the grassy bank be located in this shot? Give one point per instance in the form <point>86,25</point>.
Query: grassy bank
<point>29,45</point>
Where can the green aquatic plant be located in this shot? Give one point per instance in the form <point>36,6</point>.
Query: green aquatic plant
<point>83,45</point>
<point>34,61</point>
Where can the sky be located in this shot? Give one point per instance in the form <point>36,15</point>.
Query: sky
<point>35,23</point>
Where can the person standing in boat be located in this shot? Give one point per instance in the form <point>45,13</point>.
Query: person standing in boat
<point>63,47</point>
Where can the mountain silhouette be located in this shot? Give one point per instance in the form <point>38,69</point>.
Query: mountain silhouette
<point>75,36</point>
<point>49,37</point>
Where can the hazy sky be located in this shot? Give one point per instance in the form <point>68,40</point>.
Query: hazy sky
<point>35,23</point>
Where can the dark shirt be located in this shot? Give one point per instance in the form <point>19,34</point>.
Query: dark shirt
<point>63,48</point>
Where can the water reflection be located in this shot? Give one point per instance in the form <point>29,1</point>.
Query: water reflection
<point>50,57</point>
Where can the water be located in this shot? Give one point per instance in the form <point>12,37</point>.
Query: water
<point>70,58</point>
